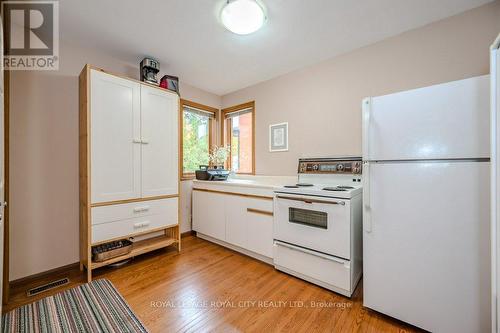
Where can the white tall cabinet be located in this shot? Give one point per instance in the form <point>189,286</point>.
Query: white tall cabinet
<point>159,135</point>
<point>115,133</point>
<point>129,167</point>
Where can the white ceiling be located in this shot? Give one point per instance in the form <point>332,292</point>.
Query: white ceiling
<point>189,41</point>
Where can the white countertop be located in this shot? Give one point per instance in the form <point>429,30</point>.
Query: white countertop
<point>254,185</point>
<point>268,182</point>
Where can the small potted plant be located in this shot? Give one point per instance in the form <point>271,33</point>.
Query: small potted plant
<point>218,156</point>
<point>215,169</point>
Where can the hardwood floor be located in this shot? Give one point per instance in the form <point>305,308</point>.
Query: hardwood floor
<point>210,288</point>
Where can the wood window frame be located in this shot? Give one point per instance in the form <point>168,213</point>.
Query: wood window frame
<point>227,129</point>
<point>211,132</point>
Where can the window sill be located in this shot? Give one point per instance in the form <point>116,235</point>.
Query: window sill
<point>187,177</point>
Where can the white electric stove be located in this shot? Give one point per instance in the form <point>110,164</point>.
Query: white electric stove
<point>337,189</point>
<point>317,224</point>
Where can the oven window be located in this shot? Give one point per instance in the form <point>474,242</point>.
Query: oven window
<point>308,217</point>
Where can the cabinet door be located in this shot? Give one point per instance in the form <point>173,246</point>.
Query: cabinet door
<point>208,214</point>
<point>115,123</point>
<point>259,226</point>
<point>236,224</point>
<point>159,128</point>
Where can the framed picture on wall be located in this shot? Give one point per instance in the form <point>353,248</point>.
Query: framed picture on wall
<point>278,137</point>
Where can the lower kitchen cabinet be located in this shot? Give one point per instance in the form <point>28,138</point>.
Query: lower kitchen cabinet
<point>208,214</point>
<point>243,221</point>
<point>260,233</point>
<point>236,220</point>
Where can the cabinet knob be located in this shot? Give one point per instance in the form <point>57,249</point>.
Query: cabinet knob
<point>141,209</point>
<point>141,224</point>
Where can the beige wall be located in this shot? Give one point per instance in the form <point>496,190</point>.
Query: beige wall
<point>44,160</point>
<point>322,103</point>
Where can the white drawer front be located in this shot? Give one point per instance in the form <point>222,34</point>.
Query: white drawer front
<point>168,216</point>
<point>327,269</point>
<point>260,204</point>
<point>106,214</point>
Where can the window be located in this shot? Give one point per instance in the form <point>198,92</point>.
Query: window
<point>238,131</point>
<point>197,136</point>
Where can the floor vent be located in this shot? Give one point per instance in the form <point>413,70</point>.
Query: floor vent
<point>46,287</point>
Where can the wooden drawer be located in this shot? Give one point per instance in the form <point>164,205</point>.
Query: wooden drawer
<point>106,214</point>
<point>165,216</point>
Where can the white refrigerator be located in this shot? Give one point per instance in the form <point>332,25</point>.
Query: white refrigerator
<point>426,203</point>
<point>495,181</point>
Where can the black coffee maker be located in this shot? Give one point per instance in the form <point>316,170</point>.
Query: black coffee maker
<point>207,173</point>
<point>149,69</point>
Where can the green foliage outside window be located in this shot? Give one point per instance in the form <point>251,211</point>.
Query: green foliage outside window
<point>195,141</point>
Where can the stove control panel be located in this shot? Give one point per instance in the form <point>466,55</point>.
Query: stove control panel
<point>323,166</point>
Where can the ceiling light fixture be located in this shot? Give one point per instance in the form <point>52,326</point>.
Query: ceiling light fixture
<point>242,16</point>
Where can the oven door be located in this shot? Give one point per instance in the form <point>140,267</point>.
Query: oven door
<point>316,223</point>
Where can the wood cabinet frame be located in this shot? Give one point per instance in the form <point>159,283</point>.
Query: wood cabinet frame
<point>172,235</point>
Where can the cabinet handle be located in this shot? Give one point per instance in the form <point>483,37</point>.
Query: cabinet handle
<point>141,209</point>
<point>367,220</point>
<point>136,141</point>
<point>144,141</point>
<point>258,211</point>
<point>141,224</point>
<point>310,201</point>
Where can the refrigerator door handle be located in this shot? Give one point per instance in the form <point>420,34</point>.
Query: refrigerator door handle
<point>366,125</point>
<point>367,221</point>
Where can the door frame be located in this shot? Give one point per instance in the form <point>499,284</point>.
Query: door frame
<point>6,103</point>
<point>495,173</point>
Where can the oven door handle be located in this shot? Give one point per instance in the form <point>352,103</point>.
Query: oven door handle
<point>310,201</point>
<point>313,253</point>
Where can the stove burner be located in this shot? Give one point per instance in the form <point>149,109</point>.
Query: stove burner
<point>291,186</point>
<point>304,185</point>
<point>338,189</point>
<point>345,187</point>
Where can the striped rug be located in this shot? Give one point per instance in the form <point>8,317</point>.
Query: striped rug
<point>93,307</point>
